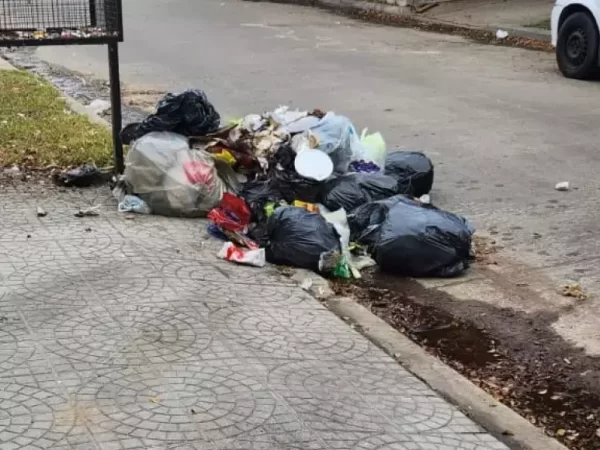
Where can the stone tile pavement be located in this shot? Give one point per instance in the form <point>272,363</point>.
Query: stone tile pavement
<point>130,334</point>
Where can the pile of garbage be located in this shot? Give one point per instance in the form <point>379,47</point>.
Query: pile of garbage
<point>297,188</point>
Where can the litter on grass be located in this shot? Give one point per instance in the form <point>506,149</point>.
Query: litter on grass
<point>293,188</point>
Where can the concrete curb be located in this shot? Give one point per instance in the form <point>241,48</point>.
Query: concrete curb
<point>498,419</point>
<point>407,13</point>
<point>501,421</point>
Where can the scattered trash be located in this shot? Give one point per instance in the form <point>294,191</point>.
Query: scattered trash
<point>313,164</point>
<point>334,135</point>
<point>412,239</point>
<point>132,203</point>
<point>189,114</point>
<point>291,187</point>
<point>41,212</point>
<point>425,199</point>
<point>562,186</point>
<point>354,189</point>
<point>501,34</point>
<point>299,238</point>
<point>412,170</point>
<point>573,290</point>
<point>154,400</point>
<point>250,257</point>
<point>88,212</point>
<point>82,176</point>
<point>306,284</point>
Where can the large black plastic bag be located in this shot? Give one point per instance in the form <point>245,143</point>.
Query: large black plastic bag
<point>412,170</point>
<point>413,239</point>
<point>297,237</point>
<point>188,113</point>
<point>354,189</point>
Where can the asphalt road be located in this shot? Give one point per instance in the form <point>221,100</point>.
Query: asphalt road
<point>501,124</point>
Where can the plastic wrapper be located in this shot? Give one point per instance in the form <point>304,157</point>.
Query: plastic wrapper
<point>171,178</point>
<point>188,113</point>
<point>354,189</point>
<point>132,203</point>
<point>232,214</point>
<point>412,170</point>
<point>413,239</point>
<point>249,257</point>
<point>296,237</point>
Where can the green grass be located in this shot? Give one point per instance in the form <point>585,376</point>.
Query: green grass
<point>543,24</point>
<point>38,130</point>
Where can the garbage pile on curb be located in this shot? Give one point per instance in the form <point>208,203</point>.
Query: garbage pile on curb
<point>296,188</point>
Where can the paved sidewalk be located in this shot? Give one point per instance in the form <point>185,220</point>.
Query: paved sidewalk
<point>130,334</point>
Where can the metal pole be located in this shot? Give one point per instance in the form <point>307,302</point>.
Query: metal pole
<point>115,102</point>
<point>93,15</point>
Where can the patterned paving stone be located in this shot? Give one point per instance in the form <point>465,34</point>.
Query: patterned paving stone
<point>125,335</point>
<point>131,334</point>
<point>31,417</point>
<point>291,333</point>
<point>180,402</point>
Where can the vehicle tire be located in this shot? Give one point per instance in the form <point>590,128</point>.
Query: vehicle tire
<point>577,46</point>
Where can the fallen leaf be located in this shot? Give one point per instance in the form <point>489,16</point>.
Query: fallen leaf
<point>573,290</point>
<point>560,432</point>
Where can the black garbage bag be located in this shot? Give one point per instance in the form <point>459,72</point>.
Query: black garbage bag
<point>412,170</point>
<point>81,176</point>
<point>354,189</point>
<point>414,239</point>
<point>188,113</point>
<point>299,238</point>
<point>257,194</point>
<point>292,187</point>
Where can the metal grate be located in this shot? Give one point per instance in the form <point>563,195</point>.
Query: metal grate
<point>60,20</point>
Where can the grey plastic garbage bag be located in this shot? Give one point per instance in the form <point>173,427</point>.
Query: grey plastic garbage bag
<point>334,135</point>
<point>412,239</point>
<point>171,178</point>
<point>354,189</point>
<point>412,170</point>
<point>299,238</point>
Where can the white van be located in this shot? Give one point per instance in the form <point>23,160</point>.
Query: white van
<point>575,36</point>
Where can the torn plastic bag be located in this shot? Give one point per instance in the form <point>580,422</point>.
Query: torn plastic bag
<point>417,240</point>
<point>171,178</point>
<point>412,170</point>
<point>334,135</point>
<point>188,113</point>
<point>296,237</point>
<point>354,189</point>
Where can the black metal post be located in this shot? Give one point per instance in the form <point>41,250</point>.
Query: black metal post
<point>115,102</point>
<point>93,15</point>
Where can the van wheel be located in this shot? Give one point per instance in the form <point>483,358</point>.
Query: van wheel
<point>577,47</point>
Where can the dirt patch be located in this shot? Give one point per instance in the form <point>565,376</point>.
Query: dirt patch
<point>514,356</point>
<point>383,18</point>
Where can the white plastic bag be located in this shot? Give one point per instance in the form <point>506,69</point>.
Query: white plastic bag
<point>255,257</point>
<point>171,178</point>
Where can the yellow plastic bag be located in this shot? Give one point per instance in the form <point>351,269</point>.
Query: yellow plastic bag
<point>374,148</point>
